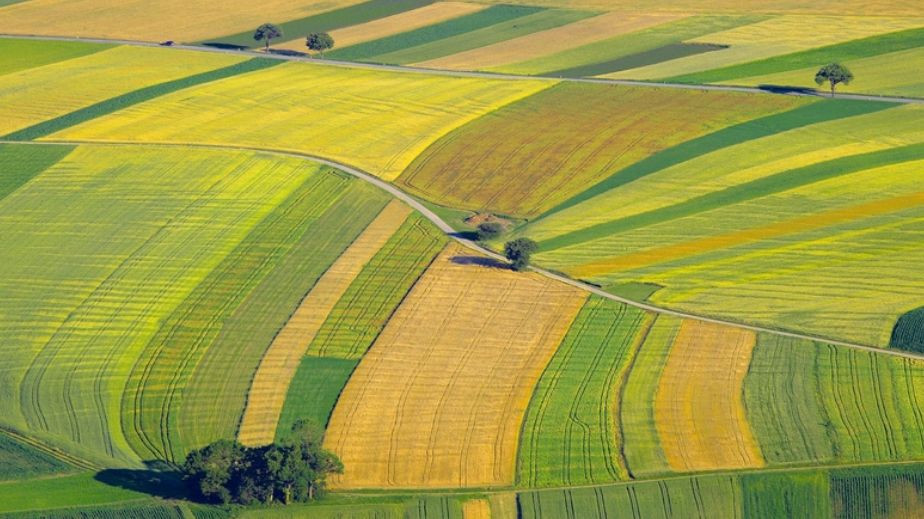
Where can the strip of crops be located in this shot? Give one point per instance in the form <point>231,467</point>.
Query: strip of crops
<point>810,402</point>
<point>127,511</point>
<point>19,460</point>
<point>330,20</point>
<point>20,163</point>
<point>376,50</point>
<point>908,333</point>
<point>878,492</point>
<point>439,398</point>
<point>375,120</point>
<point>313,392</point>
<point>364,309</point>
<point>29,97</point>
<point>860,48</point>
<point>18,55</point>
<point>556,156</point>
<point>159,377</point>
<point>667,52</point>
<point>799,494</point>
<point>62,492</point>
<point>642,448</point>
<point>531,23</point>
<point>570,434</point>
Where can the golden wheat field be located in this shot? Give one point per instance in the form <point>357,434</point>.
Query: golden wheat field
<point>378,121</point>
<point>699,408</point>
<point>438,399</point>
<point>268,391</point>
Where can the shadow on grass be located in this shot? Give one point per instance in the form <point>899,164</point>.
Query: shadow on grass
<point>163,484</point>
<point>783,89</point>
<point>289,52</point>
<point>224,46</point>
<point>480,261</point>
<point>466,235</point>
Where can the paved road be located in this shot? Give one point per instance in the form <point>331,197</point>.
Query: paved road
<point>446,228</point>
<point>485,75</point>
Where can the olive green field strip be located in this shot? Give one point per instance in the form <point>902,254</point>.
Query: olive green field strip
<point>19,54</point>
<point>47,496</point>
<point>557,157</point>
<point>313,392</point>
<point>20,460</point>
<point>363,311</point>
<point>209,348</point>
<point>570,432</point>
<point>328,21</point>
<point>19,163</point>
<point>267,392</point>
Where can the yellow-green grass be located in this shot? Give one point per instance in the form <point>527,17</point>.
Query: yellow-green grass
<point>523,48</point>
<point>569,137</point>
<point>747,152</point>
<point>208,349</point>
<point>365,308</point>
<point>571,430</point>
<point>893,73</point>
<point>642,446</point>
<point>572,62</point>
<point>814,403</point>
<point>375,120</point>
<point>48,494</point>
<point>120,246</point>
<point>34,95</point>
<point>775,36</point>
<point>152,21</point>
<point>20,54</point>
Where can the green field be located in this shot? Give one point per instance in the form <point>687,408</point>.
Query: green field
<point>62,492</point>
<point>570,433</point>
<point>313,392</point>
<point>16,55</point>
<point>19,460</point>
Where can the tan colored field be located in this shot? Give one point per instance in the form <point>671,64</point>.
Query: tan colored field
<point>503,505</point>
<point>271,382</point>
<point>541,43</point>
<point>699,412</point>
<point>762,233</point>
<point>180,20</point>
<point>476,509</point>
<point>406,21</point>
<point>854,7</point>
<point>439,398</point>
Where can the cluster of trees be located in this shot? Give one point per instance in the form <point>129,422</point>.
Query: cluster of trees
<point>316,41</point>
<point>517,251</point>
<point>294,470</point>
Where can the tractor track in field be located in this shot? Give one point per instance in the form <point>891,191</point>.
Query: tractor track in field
<point>473,74</point>
<point>446,228</point>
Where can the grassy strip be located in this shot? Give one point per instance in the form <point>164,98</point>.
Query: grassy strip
<point>813,113</point>
<point>908,333</point>
<point>328,21</point>
<point>141,95</point>
<point>24,54</point>
<point>20,163</point>
<point>463,24</point>
<point>800,494</point>
<point>539,21</point>
<point>314,391</point>
<point>855,49</point>
<point>569,433</point>
<point>154,510</point>
<point>62,492</point>
<point>765,186</point>
<point>362,312</point>
<point>640,59</point>
<point>19,460</point>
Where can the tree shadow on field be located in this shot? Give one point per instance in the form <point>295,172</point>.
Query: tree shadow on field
<point>224,46</point>
<point>480,261</point>
<point>465,235</point>
<point>783,89</point>
<point>164,484</point>
<point>288,52</point>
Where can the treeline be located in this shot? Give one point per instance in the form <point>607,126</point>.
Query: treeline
<point>289,471</point>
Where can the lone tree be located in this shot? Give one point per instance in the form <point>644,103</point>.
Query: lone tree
<point>489,230</point>
<point>319,42</point>
<point>833,73</point>
<point>267,32</point>
<point>518,252</point>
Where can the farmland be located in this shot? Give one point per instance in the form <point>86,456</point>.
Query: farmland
<point>206,241</point>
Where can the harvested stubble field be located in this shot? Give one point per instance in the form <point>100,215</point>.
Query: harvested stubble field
<point>375,120</point>
<point>31,96</point>
<point>557,155</point>
<point>267,392</point>
<point>571,431</point>
<point>404,421</point>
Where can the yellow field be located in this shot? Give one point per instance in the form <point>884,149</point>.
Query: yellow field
<point>852,7</point>
<point>476,509</point>
<point>30,96</point>
<point>589,30</point>
<point>375,120</point>
<point>761,233</point>
<point>773,37</point>
<point>699,412</point>
<point>271,382</point>
<point>406,21</point>
<point>179,20</point>
<point>439,398</point>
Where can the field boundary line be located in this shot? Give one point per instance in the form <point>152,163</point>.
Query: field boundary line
<point>51,450</point>
<point>474,74</point>
<point>446,228</point>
